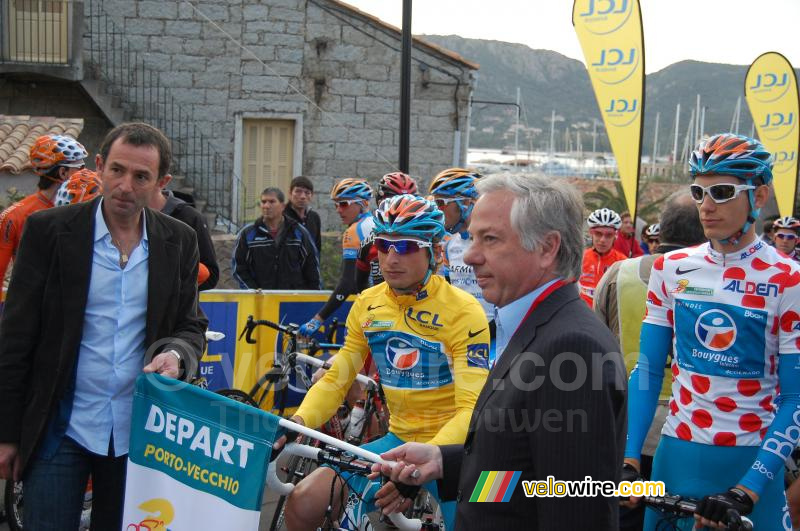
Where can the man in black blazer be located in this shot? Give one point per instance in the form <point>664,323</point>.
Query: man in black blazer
<point>101,292</point>
<point>555,401</point>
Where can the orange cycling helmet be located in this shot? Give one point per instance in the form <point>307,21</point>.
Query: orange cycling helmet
<point>51,151</point>
<point>83,185</point>
<point>351,190</point>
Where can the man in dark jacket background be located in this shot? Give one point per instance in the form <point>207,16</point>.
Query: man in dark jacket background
<point>167,203</point>
<point>275,251</point>
<point>301,193</point>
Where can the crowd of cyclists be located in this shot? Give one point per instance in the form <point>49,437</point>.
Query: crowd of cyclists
<point>718,346</point>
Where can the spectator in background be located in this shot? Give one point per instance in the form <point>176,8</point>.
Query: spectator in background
<point>784,232</point>
<point>275,251</point>
<point>301,193</point>
<point>167,203</point>
<point>604,226</point>
<point>651,238</point>
<point>768,230</point>
<point>619,301</point>
<point>626,242</point>
<point>54,159</point>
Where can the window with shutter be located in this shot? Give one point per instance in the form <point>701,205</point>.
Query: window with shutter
<point>39,31</point>
<point>267,155</point>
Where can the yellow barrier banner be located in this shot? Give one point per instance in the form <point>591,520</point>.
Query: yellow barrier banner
<point>232,362</point>
<point>610,33</point>
<point>771,92</point>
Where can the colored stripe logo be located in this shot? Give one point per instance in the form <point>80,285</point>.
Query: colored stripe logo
<point>494,486</point>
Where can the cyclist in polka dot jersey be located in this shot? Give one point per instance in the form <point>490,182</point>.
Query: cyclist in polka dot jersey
<point>728,309</point>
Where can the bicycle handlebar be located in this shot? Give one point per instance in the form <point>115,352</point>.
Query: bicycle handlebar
<point>251,325</point>
<point>686,506</point>
<point>320,456</point>
<point>318,363</point>
<point>291,329</point>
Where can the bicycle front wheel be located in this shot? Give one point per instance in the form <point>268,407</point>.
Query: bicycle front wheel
<point>296,469</point>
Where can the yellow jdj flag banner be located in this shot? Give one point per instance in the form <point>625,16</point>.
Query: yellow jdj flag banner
<point>771,91</point>
<point>610,33</point>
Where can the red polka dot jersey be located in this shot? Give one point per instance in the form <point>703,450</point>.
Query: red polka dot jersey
<point>733,317</point>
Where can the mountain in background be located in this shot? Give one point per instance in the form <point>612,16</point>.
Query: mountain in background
<point>550,81</point>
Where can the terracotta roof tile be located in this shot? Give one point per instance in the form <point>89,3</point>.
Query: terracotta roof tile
<point>18,133</point>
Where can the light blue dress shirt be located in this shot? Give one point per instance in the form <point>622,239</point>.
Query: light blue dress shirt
<point>112,345</point>
<point>508,318</point>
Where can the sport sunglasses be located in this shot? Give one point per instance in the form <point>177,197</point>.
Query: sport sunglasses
<point>719,193</point>
<point>401,247</point>
<point>784,236</point>
<point>442,202</point>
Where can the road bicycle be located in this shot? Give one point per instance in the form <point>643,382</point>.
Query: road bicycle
<point>271,390</point>
<point>372,423</point>
<point>344,457</point>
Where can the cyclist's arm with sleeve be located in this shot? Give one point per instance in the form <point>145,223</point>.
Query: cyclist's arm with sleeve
<point>783,433</point>
<point>655,343</point>
<point>470,372</point>
<point>362,270</point>
<point>240,266</point>
<point>9,237</point>
<point>325,396</point>
<point>347,280</point>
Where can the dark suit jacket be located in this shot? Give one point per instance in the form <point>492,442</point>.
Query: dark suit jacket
<point>526,420</point>
<point>42,321</point>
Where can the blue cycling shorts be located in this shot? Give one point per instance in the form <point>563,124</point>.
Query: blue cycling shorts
<point>698,470</point>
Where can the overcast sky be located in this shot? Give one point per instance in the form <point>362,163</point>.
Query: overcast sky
<point>720,31</point>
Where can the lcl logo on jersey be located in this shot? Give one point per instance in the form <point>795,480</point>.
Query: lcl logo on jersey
<point>426,319</point>
<point>716,330</point>
<point>401,355</point>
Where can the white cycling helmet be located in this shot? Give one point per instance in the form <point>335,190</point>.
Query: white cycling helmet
<point>786,222</point>
<point>653,231</point>
<point>604,217</point>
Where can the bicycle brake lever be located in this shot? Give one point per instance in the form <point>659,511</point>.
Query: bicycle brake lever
<point>248,325</point>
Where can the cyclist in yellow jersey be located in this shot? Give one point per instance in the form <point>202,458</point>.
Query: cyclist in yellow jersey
<point>430,342</point>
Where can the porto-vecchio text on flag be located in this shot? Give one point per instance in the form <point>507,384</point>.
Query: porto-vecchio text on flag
<point>197,460</point>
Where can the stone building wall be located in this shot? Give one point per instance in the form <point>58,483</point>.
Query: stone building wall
<point>334,68</point>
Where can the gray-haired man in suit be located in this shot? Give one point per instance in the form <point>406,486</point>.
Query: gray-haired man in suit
<point>555,401</point>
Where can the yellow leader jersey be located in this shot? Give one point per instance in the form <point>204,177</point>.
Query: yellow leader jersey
<point>432,353</point>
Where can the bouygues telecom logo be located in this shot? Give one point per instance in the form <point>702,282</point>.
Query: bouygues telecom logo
<point>602,17</point>
<point>716,330</point>
<point>159,514</point>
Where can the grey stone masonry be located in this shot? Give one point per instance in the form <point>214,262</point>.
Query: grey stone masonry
<point>338,69</point>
